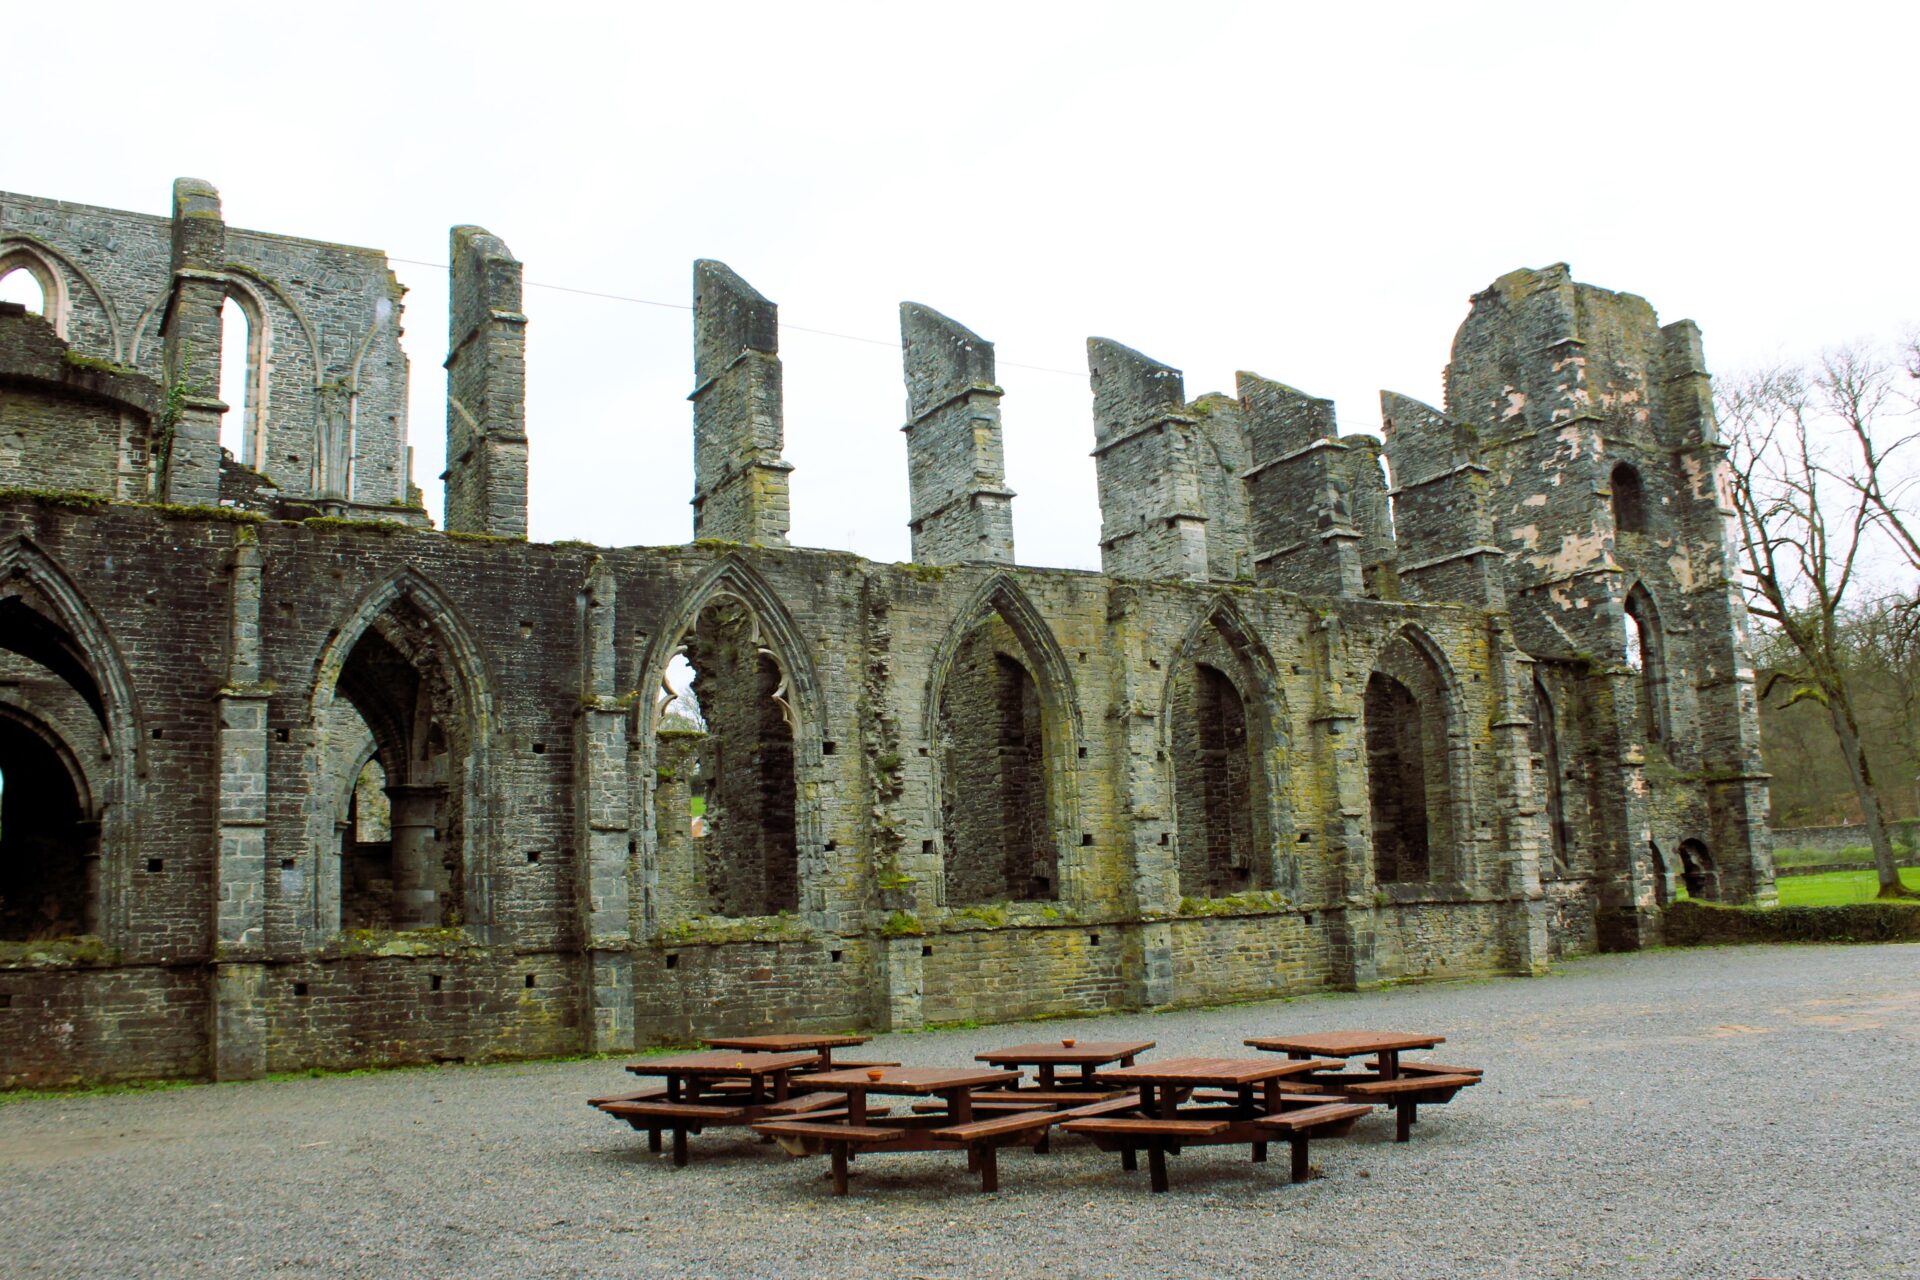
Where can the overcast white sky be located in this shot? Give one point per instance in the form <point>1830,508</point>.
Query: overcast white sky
<point>1310,192</point>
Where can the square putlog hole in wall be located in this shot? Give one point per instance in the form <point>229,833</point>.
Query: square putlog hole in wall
<point>1093,939</point>
<point>300,988</point>
<point>533,856</point>
<point>532,982</point>
<point>539,748</point>
<point>926,951</point>
<point>1086,840</point>
<point>433,982</point>
<point>827,748</point>
<point>156,864</point>
<point>673,962</point>
<point>836,955</point>
<point>6,1000</point>
<point>926,846</point>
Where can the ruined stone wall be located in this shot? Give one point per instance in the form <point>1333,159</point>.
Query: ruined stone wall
<point>328,316</point>
<point>945,790</point>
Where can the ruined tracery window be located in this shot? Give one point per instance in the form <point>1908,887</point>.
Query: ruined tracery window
<point>1412,792</point>
<point>1645,652</point>
<point>726,743</point>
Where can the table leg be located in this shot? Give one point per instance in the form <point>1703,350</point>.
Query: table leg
<point>1128,1160</point>
<point>959,1105</point>
<point>1270,1095</point>
<point>1389,1064</point>
<point>856,1106</point>
<point>1157,1166</point>
<point>1046,1075</point>
<point>1298,1141</point>
<point>839,1168</point>
<point>679,1147</point>
<point>989,1167</point>
<point>1259,1153</point>
<point>653,1140</point>
<point>780,1087</point>
<point>1403,1118</point>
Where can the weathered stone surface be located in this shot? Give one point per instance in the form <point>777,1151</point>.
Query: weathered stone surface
<point>332,792</point>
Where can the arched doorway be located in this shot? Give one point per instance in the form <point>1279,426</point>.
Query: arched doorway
<point>48,842</point>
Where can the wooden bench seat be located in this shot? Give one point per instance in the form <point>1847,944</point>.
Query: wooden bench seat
<point>667,1113</point>
<point>980,1130</point>
<point>1297,1126</point>
<point>1046,1097</point>
<point>1437,1069</point>
<point>638,1095</point>
<point>1158,1136</point>
<point>798,1137</point>
<point>1106,1107</point>
<point>1407,1093</point>
<point>805,1102</point>
<point>999,1106</point>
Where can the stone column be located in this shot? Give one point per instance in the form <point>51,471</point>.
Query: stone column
<point>739,477</point>
<point>1142,782</point>
<point>900,985</point>
<point>1343,823</point>
<point>1442,516</point>
<point>603,824</point>
<point>1728,700</point>
<point>962,508</point>
<point>190,428</point>
<point>1300,496</point>
<point>415,822</point>
<point>239,1029</point>
<point>1153,521</point>
<point>486,389</point>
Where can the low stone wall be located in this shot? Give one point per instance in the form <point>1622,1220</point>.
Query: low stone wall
<point>1693,924</point>
<point>1846,835</point>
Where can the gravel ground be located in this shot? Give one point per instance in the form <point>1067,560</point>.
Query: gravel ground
<point>1682,1113</point>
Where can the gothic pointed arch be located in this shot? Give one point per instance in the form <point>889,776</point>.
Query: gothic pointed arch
<point>733,723</point>
<point>1646,657</point>
<point>50,632</point>
<point>1418,770</point>
<point>1002,729</point>
<point>406,670</point>
<point>50,268</point>
<point>734,577</point>
<point>1223,733</point>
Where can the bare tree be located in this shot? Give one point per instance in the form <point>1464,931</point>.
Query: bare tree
<point>1816,494</point>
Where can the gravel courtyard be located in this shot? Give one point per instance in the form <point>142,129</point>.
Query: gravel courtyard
<point>1730,1112</point>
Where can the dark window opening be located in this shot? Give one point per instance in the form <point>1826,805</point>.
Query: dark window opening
<point>1646,657</point>
<point>46,842</point>
<point>994,790</point>
<point>1549,795</point>
<point>1397,782</point>
<point>1215,774</point>
<point>1629,500</point>
<point>1697,870</point>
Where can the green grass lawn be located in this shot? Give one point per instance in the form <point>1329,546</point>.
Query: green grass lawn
<point>1830,888</point>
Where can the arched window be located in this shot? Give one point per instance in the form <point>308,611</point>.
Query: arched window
<point>1662,891</point>
<point>1413,795</point>
<point>995,781</point>
<point>1397,781</point>
<point>1697,870</point>
<point>1629,500</point>
<point>237,374</point>
<point>46,840</point>
<point>20,285</point>
<point>1548,785</point>
<point>1645,652</point>
<point>1214,773</point>
<point>725,741</point>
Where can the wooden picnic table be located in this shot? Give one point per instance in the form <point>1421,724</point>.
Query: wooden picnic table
<point>1048,1056</point>
<point>790,1042</point>
<point>853,1130</point>
<point>1250,1106</point>
<point>1350,1044</point>
<point>693,1101</point>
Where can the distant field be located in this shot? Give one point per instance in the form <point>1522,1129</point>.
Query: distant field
<point>1829,888</point>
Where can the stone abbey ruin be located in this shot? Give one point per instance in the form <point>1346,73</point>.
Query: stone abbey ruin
<point>292,779</point>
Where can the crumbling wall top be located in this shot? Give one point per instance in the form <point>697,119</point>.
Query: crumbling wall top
<point>729,316</point>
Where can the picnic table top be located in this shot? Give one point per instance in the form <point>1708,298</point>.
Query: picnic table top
<point>784,1043</point>
<point>728,1062</point>
<point>1059,1053</point>
<point>1228,1072</point>
<point>1347,1044</point>
<point>915,1080</point>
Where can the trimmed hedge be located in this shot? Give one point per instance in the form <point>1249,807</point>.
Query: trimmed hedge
<point>1692,924</point>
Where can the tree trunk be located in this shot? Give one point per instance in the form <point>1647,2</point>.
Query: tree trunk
<point>1841,709</point>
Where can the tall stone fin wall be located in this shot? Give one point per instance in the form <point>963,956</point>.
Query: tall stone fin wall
<point>740,485</point>
<point>486,389</point>
<point>962,509</point>
<point>1153,521</point>
<point>1441,506</point>
<point>190,441</point>
<point>1300,494</point>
